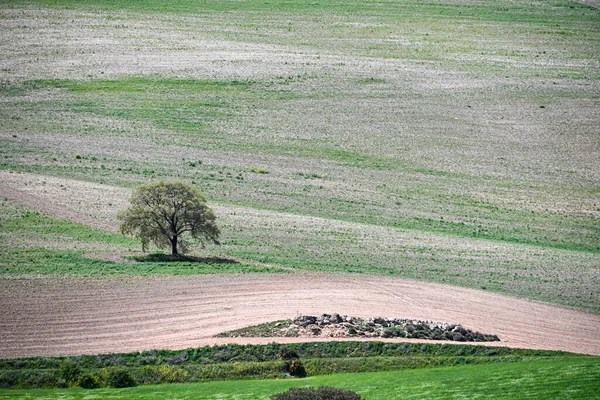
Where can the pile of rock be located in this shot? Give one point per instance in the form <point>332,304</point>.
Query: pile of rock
<point>335,325</point>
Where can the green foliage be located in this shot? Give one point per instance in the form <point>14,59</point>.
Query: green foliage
<point>294,367</point>
<point>118,377</point>
<point>251,362</point>
<point>273,352</point>
<point>565,378</point>
<point>87,381</point>
<point>162,374</point>
<point>70,372</point>
<point>287,354</point>
<point>66,262</point>
<point>259,170</point>
<point>321,393</point>
<point>163,212</point>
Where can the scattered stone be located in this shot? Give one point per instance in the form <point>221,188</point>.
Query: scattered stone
<point>335,325</point>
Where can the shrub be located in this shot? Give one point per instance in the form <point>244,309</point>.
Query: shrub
<point>70,372</point>
<point>178,359</point>
<point>259,170</point>
<point>294,368</point>
<point>393,331</point>
<point>45,380</point>
<point>171,374</point>
<point>87,381</point>
<point>332,393</point>
<point>322,393</point>
<point>114,360</point>
<point>8,379</point>
<point>118,377</point>
<point>287,354</point>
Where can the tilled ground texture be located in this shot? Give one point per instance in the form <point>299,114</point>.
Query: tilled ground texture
<point>58,316</point>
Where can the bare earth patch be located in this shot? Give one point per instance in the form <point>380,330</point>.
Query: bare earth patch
<point>75,316</point>
<point>95,205</point>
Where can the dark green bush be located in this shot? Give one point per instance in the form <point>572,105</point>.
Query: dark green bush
<point>8,379</point>
<point>44,380</point>
<point>332,393</point>
<point>322,393</point>
<point>294,367</point>
<point>288,354</point>
<point>88,381</point>
<point>118,377</point>
<point>70,372</point>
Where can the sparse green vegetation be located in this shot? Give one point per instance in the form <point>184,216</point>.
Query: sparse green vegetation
<point>40,261</point>
<point>259,170</point>
<point>34,243</point>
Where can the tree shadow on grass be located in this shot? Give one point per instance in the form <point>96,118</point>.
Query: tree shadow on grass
<point>159,257</point>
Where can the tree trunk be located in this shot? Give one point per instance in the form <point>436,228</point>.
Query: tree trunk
<point>174,245</point>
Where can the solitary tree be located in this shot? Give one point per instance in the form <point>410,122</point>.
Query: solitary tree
<point>164,212</point>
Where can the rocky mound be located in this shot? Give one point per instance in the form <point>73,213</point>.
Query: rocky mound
<point>335,325</point>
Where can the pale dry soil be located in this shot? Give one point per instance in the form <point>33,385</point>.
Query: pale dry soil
<point>46,316</point>
<point>59,316</point>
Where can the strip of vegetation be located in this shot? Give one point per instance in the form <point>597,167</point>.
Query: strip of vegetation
<point>247,362</point>
<point>69,262</point>
<point>506,234</point>
<point>21,221</point>
<point>565,378</point>
<point>336,325</point>
<point>31,242</point>
<point>393,12</point>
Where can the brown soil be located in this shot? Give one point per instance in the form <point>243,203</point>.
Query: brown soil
<point>58,316</point>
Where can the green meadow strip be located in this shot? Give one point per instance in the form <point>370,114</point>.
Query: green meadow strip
<point>552,378</point>
<point>229,362</point>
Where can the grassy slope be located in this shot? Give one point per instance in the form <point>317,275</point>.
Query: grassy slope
<point>420,120</point>
<point>33,243</point>
<point>568,378</point>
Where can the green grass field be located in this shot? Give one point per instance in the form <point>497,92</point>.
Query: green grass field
<point>566,378</point>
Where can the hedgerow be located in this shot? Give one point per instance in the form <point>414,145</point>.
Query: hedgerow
<point>247,362</point>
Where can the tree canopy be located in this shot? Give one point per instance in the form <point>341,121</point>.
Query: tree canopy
<point>166,213</point>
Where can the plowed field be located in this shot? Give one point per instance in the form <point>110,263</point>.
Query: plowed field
<point>73,316</point>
